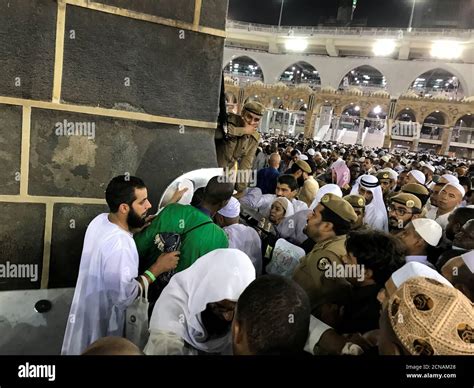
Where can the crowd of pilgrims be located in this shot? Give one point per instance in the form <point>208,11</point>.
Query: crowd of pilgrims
<point>333,249</point>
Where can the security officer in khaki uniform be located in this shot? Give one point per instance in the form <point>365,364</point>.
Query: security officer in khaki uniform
<point>403,208</point>
<point>386,184</point>
<point>328,225</point>
<point>241,142</point>
<point>358,204</point>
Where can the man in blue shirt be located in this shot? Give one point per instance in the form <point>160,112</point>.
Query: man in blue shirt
<point>267,177</point>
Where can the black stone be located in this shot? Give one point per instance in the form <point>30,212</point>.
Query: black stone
<point>166,75</point>
<point>76,166</point>
<point>70,222</point>
<point>172,9</point>
<point>10,148</point>
<point>214,13</point>
<point>21,241</point>
<point>27,44</point>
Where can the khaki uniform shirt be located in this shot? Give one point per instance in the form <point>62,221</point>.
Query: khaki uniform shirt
<point>310,272</point>
<point>237,147</point>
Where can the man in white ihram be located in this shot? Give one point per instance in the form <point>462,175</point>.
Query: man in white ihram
<point>107,282</point>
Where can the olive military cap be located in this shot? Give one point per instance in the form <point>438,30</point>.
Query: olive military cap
<point>411,201</point>
<point>415,188</point>
<point>357,201</point>
<point>254,107</point>
<point>304,166</point>
<point>383,175</point>
<point>339,206</point>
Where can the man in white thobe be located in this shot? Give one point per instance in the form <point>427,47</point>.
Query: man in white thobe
<point>107,283</point>
<point>375,212</point>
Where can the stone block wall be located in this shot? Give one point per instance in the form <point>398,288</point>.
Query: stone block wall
<point>90,90</point>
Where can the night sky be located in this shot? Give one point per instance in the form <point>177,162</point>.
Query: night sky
<point>386,13</point>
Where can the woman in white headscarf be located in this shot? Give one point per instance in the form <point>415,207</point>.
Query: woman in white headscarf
<point>193,314</point>
<point>281,208</point>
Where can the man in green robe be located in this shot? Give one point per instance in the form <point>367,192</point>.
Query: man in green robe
<point>199,235</point>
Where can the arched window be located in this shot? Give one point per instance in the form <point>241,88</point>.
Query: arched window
<point>407,115</point>
<point>438,83</point>
<point>432,126</point>
<point>244,69</point>
<point>365,77</point>
<point>301,73</point>
<point>350,117</point>
<point>463,131</point>
<point>375,119</point>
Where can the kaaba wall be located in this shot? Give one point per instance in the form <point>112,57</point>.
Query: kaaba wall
<point>90,90</point>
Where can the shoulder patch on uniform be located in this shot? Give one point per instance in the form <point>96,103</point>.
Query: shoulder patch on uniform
<point>323,264</point>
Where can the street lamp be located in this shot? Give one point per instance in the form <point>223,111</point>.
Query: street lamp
<point>411,16</point>
<point>281,13</point>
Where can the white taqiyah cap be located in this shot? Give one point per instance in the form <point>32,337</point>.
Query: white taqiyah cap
<point>429,230</point>
<point>418,175</point>
<point>232,209</point>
